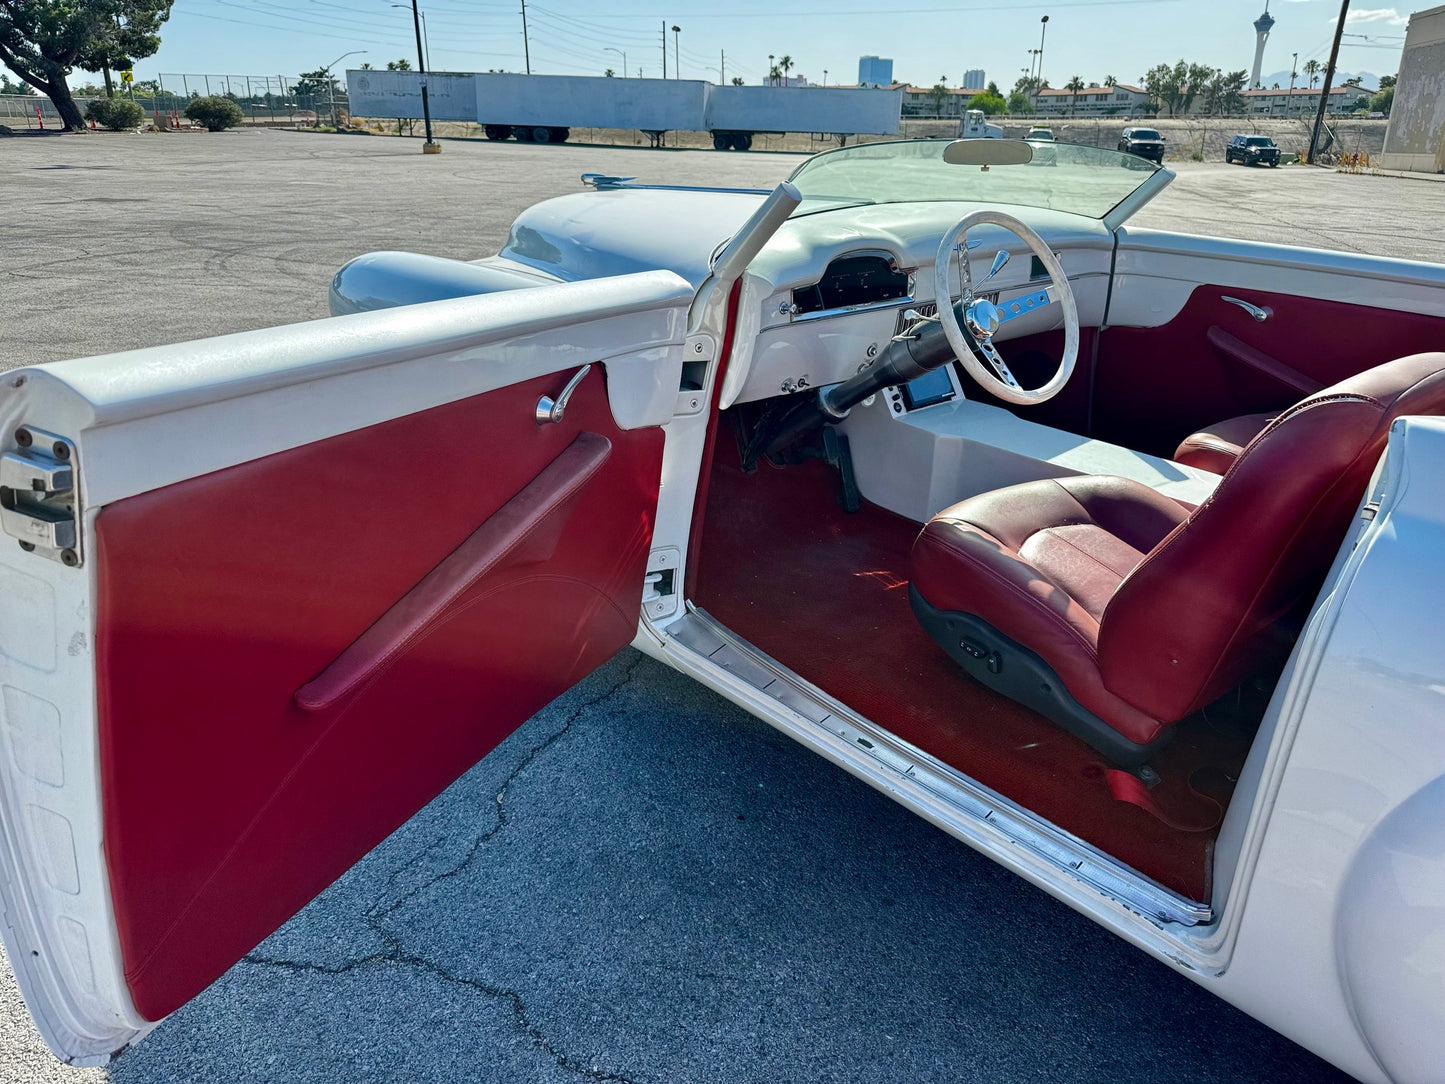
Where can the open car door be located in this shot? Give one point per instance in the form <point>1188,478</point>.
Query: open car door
<point>273,592</point>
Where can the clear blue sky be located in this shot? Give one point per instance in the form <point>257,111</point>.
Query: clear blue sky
<point>926,38</point>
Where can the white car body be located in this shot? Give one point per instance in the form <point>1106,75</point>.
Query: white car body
<point>1326,918</point>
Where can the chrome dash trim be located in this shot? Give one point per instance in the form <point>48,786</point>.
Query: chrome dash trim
<point>971,804</point>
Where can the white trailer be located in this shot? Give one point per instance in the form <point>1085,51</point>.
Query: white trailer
<point>736,114</point>
<point>545,108</point>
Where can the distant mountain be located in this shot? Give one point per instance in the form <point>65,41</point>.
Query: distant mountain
<point>1368,80</point>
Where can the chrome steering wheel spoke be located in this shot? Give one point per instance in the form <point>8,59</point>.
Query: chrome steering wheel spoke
<point>994,358</point>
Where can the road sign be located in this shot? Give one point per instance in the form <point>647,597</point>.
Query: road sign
<point>127,77</point>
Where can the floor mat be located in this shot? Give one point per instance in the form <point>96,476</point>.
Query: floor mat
<point>826,594</point>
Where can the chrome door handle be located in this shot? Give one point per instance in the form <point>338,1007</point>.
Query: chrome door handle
<point>1260,314</point>
<point>551,410</point>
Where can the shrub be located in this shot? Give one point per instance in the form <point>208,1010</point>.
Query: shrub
<point>117,114</point>
<point>215,113</point>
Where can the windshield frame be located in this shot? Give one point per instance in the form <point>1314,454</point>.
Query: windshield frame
<point>1154,177</point>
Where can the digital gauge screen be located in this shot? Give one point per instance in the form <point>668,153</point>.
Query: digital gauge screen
<point>928,389</point>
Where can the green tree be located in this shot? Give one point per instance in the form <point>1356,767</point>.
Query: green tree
<point>1313,68</point>
<point>1383,100</point>
<point>938,94</point>
<point>402,65</point>
<point>117,114</point>
<point>1175,86</point>
<point>1224,92</point>
<point>1074,85</point>
<point>43,41</point>
<point>1110,81</point>
<point>992,88</point>
<point>737,80</point>
<point>1387,82</point>
<point>990,103</point>
<point>785,65</point>
<point>609,73</point>
<point>1020,104</point>
<point>314,87</point>
<point>216,113</point>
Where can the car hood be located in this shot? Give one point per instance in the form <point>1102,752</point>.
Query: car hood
<point>594,234</point>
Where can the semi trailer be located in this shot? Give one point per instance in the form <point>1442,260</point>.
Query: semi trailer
<point>545,108</point>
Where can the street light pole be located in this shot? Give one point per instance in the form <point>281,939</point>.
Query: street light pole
<point>330,85</point>
<point>425,37</point>
<point>676,53</point>
<point>622,54</point>
<point>431,146</point>
<point>1044,29</point>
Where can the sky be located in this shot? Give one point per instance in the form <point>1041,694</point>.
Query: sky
<point>926,38</point>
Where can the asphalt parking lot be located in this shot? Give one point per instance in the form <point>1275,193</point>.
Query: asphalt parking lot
<point>643,883</point>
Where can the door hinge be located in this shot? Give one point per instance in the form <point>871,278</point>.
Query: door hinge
<point>39,505</point>
<point>659,589</point>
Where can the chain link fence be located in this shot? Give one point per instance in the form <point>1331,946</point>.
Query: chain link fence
<point>264,101</point>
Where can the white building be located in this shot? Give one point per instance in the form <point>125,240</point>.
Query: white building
<point>973,79</point>
<point>875,71</point>
<point>1123,100</point>
<point>1302,101</point>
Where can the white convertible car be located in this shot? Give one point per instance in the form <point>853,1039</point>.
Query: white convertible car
<point>1115,553</point>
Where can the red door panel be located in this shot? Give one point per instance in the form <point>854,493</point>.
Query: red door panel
<point>1156,385</point>
<point>227,804</point>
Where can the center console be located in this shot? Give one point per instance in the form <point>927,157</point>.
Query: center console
<point>922,446</point>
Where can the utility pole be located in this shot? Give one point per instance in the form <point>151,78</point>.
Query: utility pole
<point>526,47</point>
<point>1329,78</point>
<point>664,48</point>
<point>676,58</point>
<point>722,71</point>
<point>431,146</point>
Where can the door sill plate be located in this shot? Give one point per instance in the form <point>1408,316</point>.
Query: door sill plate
<point>960,805</point>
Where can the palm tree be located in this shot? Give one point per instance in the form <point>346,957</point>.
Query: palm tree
<point>1312,69</point>
<point>775,75</point>
<point>1075,85</point>
<point>609,73</point>
<point>785,65</point>
<point>1110,81</point>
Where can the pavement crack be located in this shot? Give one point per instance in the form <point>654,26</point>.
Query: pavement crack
<point>396,955</point>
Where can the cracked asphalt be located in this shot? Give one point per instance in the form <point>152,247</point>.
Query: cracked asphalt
<point>643,883</point>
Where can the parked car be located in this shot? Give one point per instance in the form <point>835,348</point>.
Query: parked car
<point>1252,150</point>
<point>1042,134</point>
<point>1159,632</point>
<point>1144,142</point>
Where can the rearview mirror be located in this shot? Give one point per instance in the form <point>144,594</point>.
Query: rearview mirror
<point>988,152</point>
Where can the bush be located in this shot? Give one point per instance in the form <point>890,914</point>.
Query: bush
<point>215,113</point>
<point>117,114</point>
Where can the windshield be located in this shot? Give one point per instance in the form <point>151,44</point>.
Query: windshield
<point>1145,133</point>
<point>1062,177</point>
<point>1259,141</point>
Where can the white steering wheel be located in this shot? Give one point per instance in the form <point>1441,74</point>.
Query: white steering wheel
<point>982,317</point>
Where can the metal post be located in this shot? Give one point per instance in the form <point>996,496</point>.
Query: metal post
<point>1329,78</point>
<point>426,38</point>
<point>427,147</point>
<point>526,45</point>
<point>676,59</point>
<point>1044,29</point>
<point>664,48</point>
<point>722,71</point>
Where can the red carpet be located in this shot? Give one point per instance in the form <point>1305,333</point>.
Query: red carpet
<point>826,594</point>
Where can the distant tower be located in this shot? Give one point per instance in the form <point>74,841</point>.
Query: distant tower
<point>1262,26</point>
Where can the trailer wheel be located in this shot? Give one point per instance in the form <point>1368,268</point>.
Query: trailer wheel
<point>524,135</point>
<point>542,135</point>
<point>721,141</point>
<point>743,141</point>
<point>498,131</point>
<point>560,135</point>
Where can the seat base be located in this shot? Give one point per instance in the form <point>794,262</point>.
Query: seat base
<point>1012,670</point>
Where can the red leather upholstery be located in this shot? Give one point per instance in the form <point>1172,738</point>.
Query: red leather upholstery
<point>1147,610</point>
<point>1216,447</point>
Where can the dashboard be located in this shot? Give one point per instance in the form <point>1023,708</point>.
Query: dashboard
<point>830,290</point>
